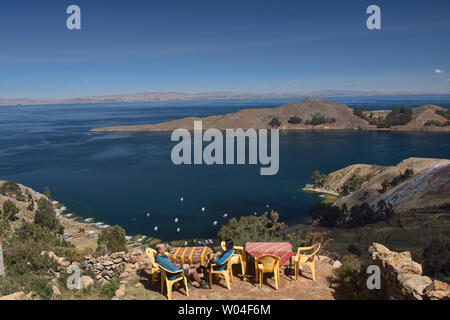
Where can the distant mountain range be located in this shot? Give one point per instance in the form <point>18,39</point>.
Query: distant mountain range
<point>180,96</point>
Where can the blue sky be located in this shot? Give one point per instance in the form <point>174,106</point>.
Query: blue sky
<point>196,46</point>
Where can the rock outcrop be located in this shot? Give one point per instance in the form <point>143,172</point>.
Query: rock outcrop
<point>402,278</point>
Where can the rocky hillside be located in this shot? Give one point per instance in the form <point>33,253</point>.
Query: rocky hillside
<point>302,115</point>
<point>413,183</point>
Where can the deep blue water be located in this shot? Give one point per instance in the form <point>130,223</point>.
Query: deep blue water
<point>117,178</point>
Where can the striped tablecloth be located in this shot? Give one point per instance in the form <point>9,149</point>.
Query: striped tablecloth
<point>283,250</point>
<point>190,255</point>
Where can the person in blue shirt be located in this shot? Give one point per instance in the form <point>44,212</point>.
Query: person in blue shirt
<point>219,261</point>
<point>161,259</point>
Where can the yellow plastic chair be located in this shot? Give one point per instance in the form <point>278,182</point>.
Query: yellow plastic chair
<point>154,266</point>
<point>306,259</point>
<point>169,283</point>
<point>239,258</point>
<point>226,272</point>
<point>267,264</point>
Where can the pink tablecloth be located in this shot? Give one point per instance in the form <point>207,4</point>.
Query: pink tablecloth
<point>283,250</point>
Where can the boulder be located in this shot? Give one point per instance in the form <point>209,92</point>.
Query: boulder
<point>86,282</point>
<point>56,291</point>
<point>337,264</point>
<point>121,291</point>
<point>20,295</point>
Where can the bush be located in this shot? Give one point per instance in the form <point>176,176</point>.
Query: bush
<point>252,228</point>
<point>326,214</point>
<point>42,288</point>
<point>294,120</point>
<point>318,178</point>
<point>45,215</point>
<point>443,113</point>
<point>8,286</point>
<point>23,259</point>
<point>113,238</point>
<point>359,112</point>
<point>9,211</point>
<point>11,188</point>
<point>398,116</point>
<point>274,123</point>
<point>436,260</point>
<point>352,184</point>
<point>363,214</point>
<point>319,119</point>
<point>34,232</point>
<point>109,289</point>
<point>350,279</point>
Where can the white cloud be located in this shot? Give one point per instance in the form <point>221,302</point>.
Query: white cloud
<point>438,71</point>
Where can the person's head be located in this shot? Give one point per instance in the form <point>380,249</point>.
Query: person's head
<point>160,248</point>
<point>229,244</point>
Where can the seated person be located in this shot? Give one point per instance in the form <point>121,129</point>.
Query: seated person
<point>161,259</point>
<point>219,261</point>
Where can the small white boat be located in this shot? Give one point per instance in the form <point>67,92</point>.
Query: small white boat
<point>155,228</point>
<point>176,220</point>
<point>178,229</point>
<point>214,223</point>
<point>181,199</point>
<point>321,196</point>
<point>203,209</point>
<point>148,214</point>
<point>225,215</point>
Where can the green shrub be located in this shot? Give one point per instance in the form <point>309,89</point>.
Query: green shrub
<point>11,188</point>
<point>318,178</point>
<point>23,260</point>
<point>436,260</point>
<point>71,254</point>
<point>319,119</point>
<point>8,286</point>
<point>443,113</point>
<point>274,123</point>
<point>352,184</point>
<point>109,289</point>
<point>350,279</point>
<point>45,215</point>
<point>34,232</point>
<point>398,116</point>
<point>113,238</point>
<point>294,120</point>
<point>41,287</point>
<point>326,214</point>
<point>9,211</point>
<point>252,228</point>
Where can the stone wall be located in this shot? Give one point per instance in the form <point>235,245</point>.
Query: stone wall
<point>402,279</point>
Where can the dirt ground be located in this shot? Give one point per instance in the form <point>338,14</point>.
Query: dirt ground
<point>289,289</point>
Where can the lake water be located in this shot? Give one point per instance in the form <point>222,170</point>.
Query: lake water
<point>118,178</point>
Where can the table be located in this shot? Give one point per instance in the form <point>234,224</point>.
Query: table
<point>190,255</point>
<point>283,250</point>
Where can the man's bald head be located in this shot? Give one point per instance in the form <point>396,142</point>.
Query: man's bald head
<point>160,248</point>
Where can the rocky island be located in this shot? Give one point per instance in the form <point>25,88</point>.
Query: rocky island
<point>311,114</point>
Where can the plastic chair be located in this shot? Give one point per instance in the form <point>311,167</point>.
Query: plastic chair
<point>237,258</point>
<point>170,283</point>
<point>154,266</point>
<point>306,259</point>
<point>226,272</point>
<point>267,264</point>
